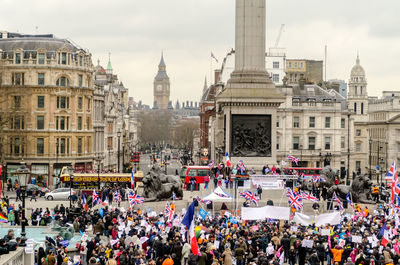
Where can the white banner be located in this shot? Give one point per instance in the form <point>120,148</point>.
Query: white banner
<point>273,212</point>
<point>319,220</point>
<point>268,183</point>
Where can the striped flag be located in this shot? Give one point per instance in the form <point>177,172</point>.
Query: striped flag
<point>188,221</point>
<point>132,180</point>
<point>335,198</point>
<point>228,160</point>
<point>293,159</point>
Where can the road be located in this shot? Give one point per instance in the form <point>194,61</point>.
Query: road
<point>145,165</point>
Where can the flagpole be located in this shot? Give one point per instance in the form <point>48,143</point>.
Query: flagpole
<point>211,69</point>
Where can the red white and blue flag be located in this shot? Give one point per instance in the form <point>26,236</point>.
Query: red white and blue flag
<point>317,178</point>
<point>95,197</point>
<point>228,160</point>
<point>293,159</point>
<point>222,195</point>
<point>395,187</point>
<point>202,201</point>
<point>308,196</point>
<point>295,200</point>
<point>335,198</point>
<point>242,168</point>
<point>135,199</point>
<point>349,201</point>
<point>117,196</point>
<point>251,196</point>
<point>132,180</point>
<point>169,212</point>
<point>211,164</point>
<point>84,202</point>
<point>188,222</point>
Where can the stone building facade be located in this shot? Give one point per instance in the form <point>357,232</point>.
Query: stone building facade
<point>46,105</point>
<point>161,87</point>
<point>310,70</point>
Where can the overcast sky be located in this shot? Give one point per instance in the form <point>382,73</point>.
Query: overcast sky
<point>135,32</point>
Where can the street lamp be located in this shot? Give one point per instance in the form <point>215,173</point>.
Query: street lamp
<point>370,162</point>
<point>23,175</point>
<point>71,182</point>
<point>98,159</point>
<point>119,139</point>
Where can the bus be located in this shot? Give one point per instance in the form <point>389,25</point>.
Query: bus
<point>92,180</point>
<point>199,172</point>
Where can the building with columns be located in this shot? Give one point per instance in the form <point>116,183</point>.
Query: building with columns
<point>46,105</point>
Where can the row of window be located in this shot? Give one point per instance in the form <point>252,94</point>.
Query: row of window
<point>62,122</point>
<point>311,143</point>
<point>19,79</point>
<point>311,122</point>
<point>296,65</point>
<point>63,145</point>
<point>62,102</point>
<point>63,58</point>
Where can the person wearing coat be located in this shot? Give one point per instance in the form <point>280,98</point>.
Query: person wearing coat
<point>227,255</point>
<point>185,253</point>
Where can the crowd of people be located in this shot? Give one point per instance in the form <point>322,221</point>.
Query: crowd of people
<point>132,236</point>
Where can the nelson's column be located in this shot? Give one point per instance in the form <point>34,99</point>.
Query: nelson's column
<point>247,106</point>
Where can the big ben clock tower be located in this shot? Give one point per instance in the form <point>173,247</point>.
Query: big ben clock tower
<point>161,86</point>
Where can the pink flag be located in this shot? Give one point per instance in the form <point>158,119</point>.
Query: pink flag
<point>329,241</point>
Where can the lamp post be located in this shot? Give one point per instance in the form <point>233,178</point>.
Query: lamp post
<point>98,159</point>
<point>370,162</point>
<point>378,163</point>
<point>119,139</point>
<point>23,174</point>
<point>71,182</point>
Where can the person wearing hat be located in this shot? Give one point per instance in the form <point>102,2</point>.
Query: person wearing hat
<point>227,256</point>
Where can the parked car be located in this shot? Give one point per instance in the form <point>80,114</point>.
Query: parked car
<point>59,194</point>
<point>40,191</point>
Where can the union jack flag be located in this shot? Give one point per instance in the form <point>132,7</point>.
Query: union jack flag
<point>169,212</point>
<point>293,159</point>
<point>117,196</point>
<point>242,168</point>
<point>202,201</point>
<point>248,195</point>
<point>135,199</point>
<point>335,198</point>
<point>295,201</point>
<point>317,178</point>
<point>211,164</point>
<point>395,188</point>
<point>222,195</point>
<point>95,197</point>
<point>308,196</point>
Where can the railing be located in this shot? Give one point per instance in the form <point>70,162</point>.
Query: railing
<point>278,177</point>
<point>17,257</point>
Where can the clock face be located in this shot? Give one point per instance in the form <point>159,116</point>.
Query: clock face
<point>159,87</point>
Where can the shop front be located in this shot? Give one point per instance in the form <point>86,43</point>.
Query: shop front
<point>40,174</point>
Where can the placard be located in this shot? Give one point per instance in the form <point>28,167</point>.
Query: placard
<point>307,243</point>
<point>293,228</point>
<point>325,232</point>
<point>356,239</point>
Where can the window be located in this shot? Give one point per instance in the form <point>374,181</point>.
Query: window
<point>62,102</point>
<point>40,79</point>
<point>17,58</point>
<point>40,122</point>
<point>355,107</point>
<point>79,145</point>
<point>17,122</point>
<point>40,146</point>
<point>311,143</point>
<point>275,65</point>
<point>358,132</point>
<point>80,80</point>
<point>277,121</point>
<point>358,165</point>
<point>110,143</point>
<point>296,122</point>
<point>41,58</point>
<point>327,122</point>
<point>275,78</point>
<point>80,60</point>
<point>342,142</point>
<point>343,123</point>
<point>312,122</point>
<point>40,102</point>
<point>18,79</point>
<point>62,82</point>
<point>17,102</point>
<point>327,143</point>
<point>64,58</point>
<point>362,108</point>
<point>79,123</point>
<point>296,141</point>
<point>290,64</point>
<point>301,65</point>
<point>295,64</point>
<point>62,123</point>
<point>80,103</point>
<point>398,147</point>
<point>62,145</point>
<point>277,142</point>
<point>358,147</point>
<point>17,145</point>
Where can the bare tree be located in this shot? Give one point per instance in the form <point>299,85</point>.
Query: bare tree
<point>183,133</point>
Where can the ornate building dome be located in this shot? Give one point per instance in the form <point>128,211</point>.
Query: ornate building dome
<point>357,69</point>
